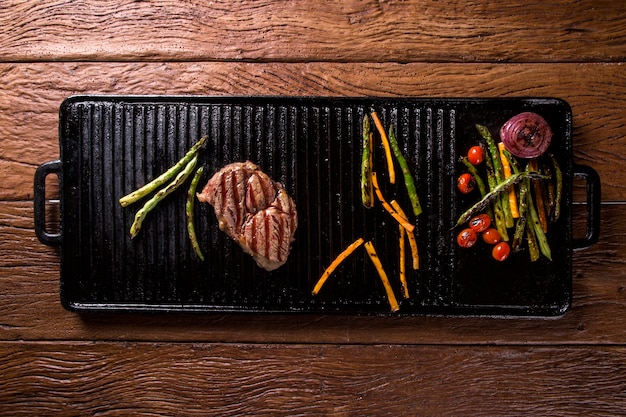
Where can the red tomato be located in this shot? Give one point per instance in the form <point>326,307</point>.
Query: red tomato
<point>466,183</point>
<point>491,236</point>
<point>467,238</point>
<point>479,223</point>
<point>501,251</point>
<point>475,155</point>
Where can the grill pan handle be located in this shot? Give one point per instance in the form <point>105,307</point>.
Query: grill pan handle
<point>50,167</point>
<point>592,179</point>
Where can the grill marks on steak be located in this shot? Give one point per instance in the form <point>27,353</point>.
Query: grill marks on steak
<point>225,191</point>
<point>255,211</point>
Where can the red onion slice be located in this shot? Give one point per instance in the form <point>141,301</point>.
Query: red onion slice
<point>526,135</point>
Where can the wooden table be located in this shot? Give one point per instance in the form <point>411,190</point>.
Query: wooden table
<point>53,362</point>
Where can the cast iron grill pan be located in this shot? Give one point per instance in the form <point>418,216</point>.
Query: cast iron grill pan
<point>113,145</point>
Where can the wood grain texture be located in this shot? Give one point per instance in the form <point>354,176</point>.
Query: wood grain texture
<point>304,31</point>
<point>30,96</point>
<point>30,308</point>
<point>115,379</point>
<point>53,362</point>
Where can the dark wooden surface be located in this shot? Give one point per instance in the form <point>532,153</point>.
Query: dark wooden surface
<point>53,362</point>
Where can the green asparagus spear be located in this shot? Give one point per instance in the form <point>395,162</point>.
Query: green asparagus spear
<point>497,203</point>
<point>191,227</point>
<point>558,176</point>
<point>526,205</point>
<point>160,195</point>
<point>520,226</point>
<point>163,178</point>
<point>492,195</point>
<point>498,171</point>
<point>366,168</point>
<point>408,178</point>
<point>512,161</point>
<point>479,182</point>
<point>535,224</point>
<point>548,169</point>
<point>531,239</point>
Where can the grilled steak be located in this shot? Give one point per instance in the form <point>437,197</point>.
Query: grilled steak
<point>255,211</point>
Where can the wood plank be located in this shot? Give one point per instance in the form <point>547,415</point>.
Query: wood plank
<point>301,31</point>
<point>30,308</point>
<point>200,379</point>
<point>30,95</point>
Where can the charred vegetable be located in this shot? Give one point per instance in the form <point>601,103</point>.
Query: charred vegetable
<point>367,192</point>
<point>371,252</point>
<point>496,193</point>
<point>335,263</point>
<point>160,195</point>
<point>163,178</point>
<point>526,135</point>
<point>370,193</point>
<point>466,183</point>
<point>525,198</point>
<point>406,173</point>
<point>383,137</point>
<point>189,213</point>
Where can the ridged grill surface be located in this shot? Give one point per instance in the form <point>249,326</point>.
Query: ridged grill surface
<point>113,145</point>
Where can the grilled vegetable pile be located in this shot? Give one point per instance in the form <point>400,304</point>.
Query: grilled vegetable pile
<point>370,193</point>
<point>164,185</point>
<point>523,193</point>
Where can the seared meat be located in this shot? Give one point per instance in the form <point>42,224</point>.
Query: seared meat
<point>255,211</point>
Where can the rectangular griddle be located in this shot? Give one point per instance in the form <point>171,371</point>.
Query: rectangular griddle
<point>111,145</point>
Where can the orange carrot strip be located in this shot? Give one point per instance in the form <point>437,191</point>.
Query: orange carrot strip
<point>398,209</point>
<point>403,221</point>
<point>335,263</point>
<point>506,166</point>
<point>409,235</point>
<point>414,252</point>
<point>387,146</point>
<point>393,303</point>
<point>405,287</point>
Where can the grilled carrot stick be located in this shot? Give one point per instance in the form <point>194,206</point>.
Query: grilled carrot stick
<point>409,235</point>
<point>403,221</point>
<point>387,146</point>
<point>506,167</point>
<point>335,263</point>
<point>371,252</point>
<point>402,260</point>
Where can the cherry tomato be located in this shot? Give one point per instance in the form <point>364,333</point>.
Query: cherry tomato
<point>479,223</point>
<point>475,155</point>
<point>501,251</point>
<point>466,183</point>
<point>467,238</point>
<point>491,236</point>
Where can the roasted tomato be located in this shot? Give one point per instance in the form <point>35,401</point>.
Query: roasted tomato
<point>476,155</point>
<point>479,223</point>
<point>501,251</point>
<point>466,183</point>
<point>491,236</point>
<point>467,238</point>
